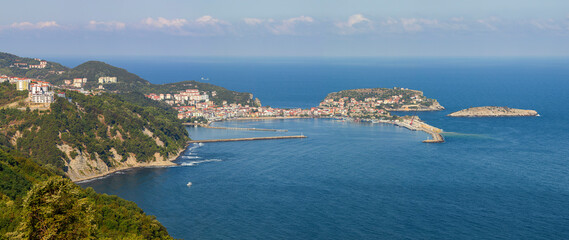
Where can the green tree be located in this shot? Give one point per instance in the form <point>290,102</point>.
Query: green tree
<point>56,209</point>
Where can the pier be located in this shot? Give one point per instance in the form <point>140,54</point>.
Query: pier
<point>437,138</point>
<point>421,126</point>
<point>246,139</point>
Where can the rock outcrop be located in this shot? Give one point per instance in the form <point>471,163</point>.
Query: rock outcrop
<point>492,111</point>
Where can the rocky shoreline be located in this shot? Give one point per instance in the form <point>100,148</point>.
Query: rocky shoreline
<point>132,165</point>
<point>493,111</point>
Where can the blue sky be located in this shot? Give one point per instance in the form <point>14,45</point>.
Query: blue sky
<point>285,28</point>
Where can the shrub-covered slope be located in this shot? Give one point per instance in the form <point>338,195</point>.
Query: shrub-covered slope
<point>85,136</point>
<point>37,204</point>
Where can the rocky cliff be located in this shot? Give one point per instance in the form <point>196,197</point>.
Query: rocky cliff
<point>89,136</point>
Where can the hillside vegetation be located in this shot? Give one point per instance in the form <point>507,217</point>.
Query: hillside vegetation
<point>7,59</point>
<point>92,70</point>
<point>38,204</point>
<point>127,81</point>
<point>84,135</point>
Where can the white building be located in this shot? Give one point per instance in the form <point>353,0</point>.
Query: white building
<point>40,92</point>
<point>107,80</point>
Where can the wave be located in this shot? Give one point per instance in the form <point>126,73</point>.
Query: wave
<point>190,157</point>
<point>195,145</point>
<point>193,163</point>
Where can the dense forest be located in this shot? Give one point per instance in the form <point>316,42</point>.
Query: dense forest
<point>35,203</point>
<point>38,201</point>
<point>109,127</point>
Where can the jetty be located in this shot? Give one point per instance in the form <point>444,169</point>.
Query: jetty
<point>421,126</point>
<point>246,139</point>
<point>236,128</point>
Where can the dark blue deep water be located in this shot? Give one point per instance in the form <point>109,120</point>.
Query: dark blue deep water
<point>494,178</point>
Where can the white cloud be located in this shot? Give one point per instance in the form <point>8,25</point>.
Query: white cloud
<point>412,25</point>
<point>106,26</point>
<point>489,23</point>
<point>355,19</point>
<point>548,24</point>
<point>355,23</point>
<point>287,27</point>
<point>418,24</point>
<point>284,27</point>
<point>38,25</point>
<point>202,26</point>
<point>165,23</point>
<point>256,21</point>
<point>209,20</point>
<point>390,21</point>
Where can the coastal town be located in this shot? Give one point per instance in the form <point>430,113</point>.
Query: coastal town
<point>203,107</point>
<point>193,104</point>
<point>372,105</point>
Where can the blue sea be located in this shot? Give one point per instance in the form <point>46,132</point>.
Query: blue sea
<point>493,178</point>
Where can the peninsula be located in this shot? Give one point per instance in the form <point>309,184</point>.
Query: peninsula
<point>375,105</point>
<point>493,111</point>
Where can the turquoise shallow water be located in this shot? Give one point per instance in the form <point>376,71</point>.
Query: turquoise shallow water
<point>499,178</point>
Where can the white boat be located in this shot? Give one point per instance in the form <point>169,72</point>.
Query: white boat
<point>189,184</point>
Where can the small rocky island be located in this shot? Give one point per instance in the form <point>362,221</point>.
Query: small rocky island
<point>492,111</point>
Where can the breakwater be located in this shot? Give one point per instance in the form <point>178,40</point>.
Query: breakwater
<point>246,139</point>
<point>421,126</point>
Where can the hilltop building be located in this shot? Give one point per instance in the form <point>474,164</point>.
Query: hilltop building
<point>42,64</point>
<point>79,82</point>
<point>22,84</point>
<point>107,80</point>
<point>40,92</point>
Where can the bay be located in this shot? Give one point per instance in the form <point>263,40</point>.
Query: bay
<point>499,178</point>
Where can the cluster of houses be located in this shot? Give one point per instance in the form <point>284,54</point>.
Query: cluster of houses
<point>76,82</point>
<point>191,103</point>
<point>42,64</point>
<point>80,82</point>
<point>104,80</point>
<point>188,97</point>
<point>39,91</point>
<point>229,111</point>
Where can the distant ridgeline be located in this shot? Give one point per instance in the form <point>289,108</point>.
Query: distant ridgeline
<point>12,65</point>
<point>95,73</point>
<point>35,203</point>
<point>85,136</point>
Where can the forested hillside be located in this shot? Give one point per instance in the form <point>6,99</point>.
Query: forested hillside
<point>84,135</point>
<point>35,203</point>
